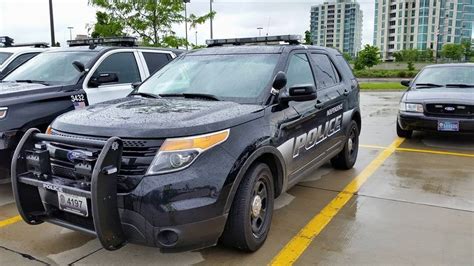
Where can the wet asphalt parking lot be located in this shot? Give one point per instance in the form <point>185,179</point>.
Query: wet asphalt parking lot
<point>405,202</point>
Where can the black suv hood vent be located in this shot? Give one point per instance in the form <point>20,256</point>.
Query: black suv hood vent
<point>156,118</point>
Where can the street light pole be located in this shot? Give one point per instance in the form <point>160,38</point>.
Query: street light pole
<point>196,39</point>
<point>259,31</point>
<point>51,23</point>
<point>186,20</point>
<point>70,32</point>
<point>212,33</point>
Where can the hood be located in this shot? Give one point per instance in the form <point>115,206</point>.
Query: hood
<point>15,89</point>
<point>441,95</point>
<point>134,117</point>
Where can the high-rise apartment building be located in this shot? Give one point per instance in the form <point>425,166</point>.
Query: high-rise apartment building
<point>337,24</point>
<point>421,24</point>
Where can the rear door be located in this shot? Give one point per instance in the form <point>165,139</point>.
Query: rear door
<point>125,64</point>
<point>332,100</point>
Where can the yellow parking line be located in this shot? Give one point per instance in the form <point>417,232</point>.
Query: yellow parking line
<point>437,152</point>
<point>9,221</point>
<point>295,248</point>
<point>420,151</point>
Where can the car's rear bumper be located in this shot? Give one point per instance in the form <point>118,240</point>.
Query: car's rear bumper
<point>419,121</point>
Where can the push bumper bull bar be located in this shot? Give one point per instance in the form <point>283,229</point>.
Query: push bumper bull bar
<point>31,170</point>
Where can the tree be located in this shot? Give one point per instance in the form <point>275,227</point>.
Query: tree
<point>467,45</point>
<point>409,56</point>
<point>347,56</point>
<point>453,51</point>
<point>368,57</point>
<point>150,20</point>
<point>106,26</point>
<point>307,37</point>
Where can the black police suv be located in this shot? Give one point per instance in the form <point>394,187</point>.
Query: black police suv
<point>440,98</point>
<point>199,151</point>
<point>64,79</point>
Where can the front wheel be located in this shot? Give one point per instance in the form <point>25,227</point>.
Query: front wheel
<point>251,214</point>
<point>346,159</point>
<point>403,133</point>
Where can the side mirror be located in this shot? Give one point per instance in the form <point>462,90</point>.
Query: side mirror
<point>299,93</point>
<point>103,78</point>
<point>79,66</point>
<point>280,81</point>
<point>406,83</point>
<point>135,85</point>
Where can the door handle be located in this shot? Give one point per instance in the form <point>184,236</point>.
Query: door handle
<point>319,105</point>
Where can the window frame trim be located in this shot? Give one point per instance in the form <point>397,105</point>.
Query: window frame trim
<point>308,55</point>
<point>336,71</point>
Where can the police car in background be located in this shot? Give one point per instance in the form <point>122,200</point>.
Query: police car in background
<point>14,55</point>
<point>63,79</point>
<point>199,151</point>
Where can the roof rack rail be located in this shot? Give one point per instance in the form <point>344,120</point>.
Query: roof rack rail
<point>112,41</point>
<point>277,39</point>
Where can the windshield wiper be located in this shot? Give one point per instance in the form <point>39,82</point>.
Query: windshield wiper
<point>428,85</point>
<point>32,81</point>
<point>460,85</point>
<point>192,95</point>
<point>146,95</point>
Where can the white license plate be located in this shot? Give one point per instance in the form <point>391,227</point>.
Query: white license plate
<point>73,204</point>
<point>448,125</point>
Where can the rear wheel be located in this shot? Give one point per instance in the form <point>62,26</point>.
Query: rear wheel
<point>403,133</point>
<point>347,157</point>
<point>250,218</point>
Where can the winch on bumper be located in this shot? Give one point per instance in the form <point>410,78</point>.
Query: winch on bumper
<point>115,218</point>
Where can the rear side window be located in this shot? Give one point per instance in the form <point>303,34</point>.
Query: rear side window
<point>344,66</point>
<point>123,64</point>
<point>325,71</point>
<point>155,61</point>
<point>18,61</point>
<point>299,71</point>
<point>4,57</point>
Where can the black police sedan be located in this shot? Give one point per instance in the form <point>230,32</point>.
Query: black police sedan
<point>199,151</point>
<point>440,98</point>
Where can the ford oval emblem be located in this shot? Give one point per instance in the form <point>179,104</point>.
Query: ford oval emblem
<point>449,108</point>
<point>76,155</point>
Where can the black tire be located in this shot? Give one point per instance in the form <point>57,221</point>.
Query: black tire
<point>246,230</point>
<point>404,133</point>
<point>346,159</point>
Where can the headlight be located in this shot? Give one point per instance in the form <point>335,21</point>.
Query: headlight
<point>3,112</point>
<point>177,154</point>
<point>411,107</point>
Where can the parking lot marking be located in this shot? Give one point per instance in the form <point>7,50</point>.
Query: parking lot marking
<point>9,221</point>
<point>421,151</point>
<point>295,248</point>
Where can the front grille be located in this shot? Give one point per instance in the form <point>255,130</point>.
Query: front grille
<point>450,110</point>
<point>136,157</point>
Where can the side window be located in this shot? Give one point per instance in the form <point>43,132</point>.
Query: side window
<point>299,71</point>
<point>122,64</point>
<point>155,61</point>
<point>325,73</point>
<point>18,62</point>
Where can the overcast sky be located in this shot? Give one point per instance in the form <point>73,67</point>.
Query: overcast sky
<point>28,20</point>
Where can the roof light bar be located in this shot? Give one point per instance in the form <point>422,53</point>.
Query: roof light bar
<point>291,39</point>
<point>6,41</point>
<point>115,41</point>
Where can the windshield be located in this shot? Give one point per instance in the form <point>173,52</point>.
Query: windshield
<point>4,57</point>
<point>51,68</point>
<point>241,78</point>
<point>447,75</point>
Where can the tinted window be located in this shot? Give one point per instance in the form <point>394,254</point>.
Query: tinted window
<point>299,71</point>
<point>155,61</point>
<point>4,56</point>
<point>122,64</point>
<point>18,61</point>
<point>345,67</point>
<point>325,74</point>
